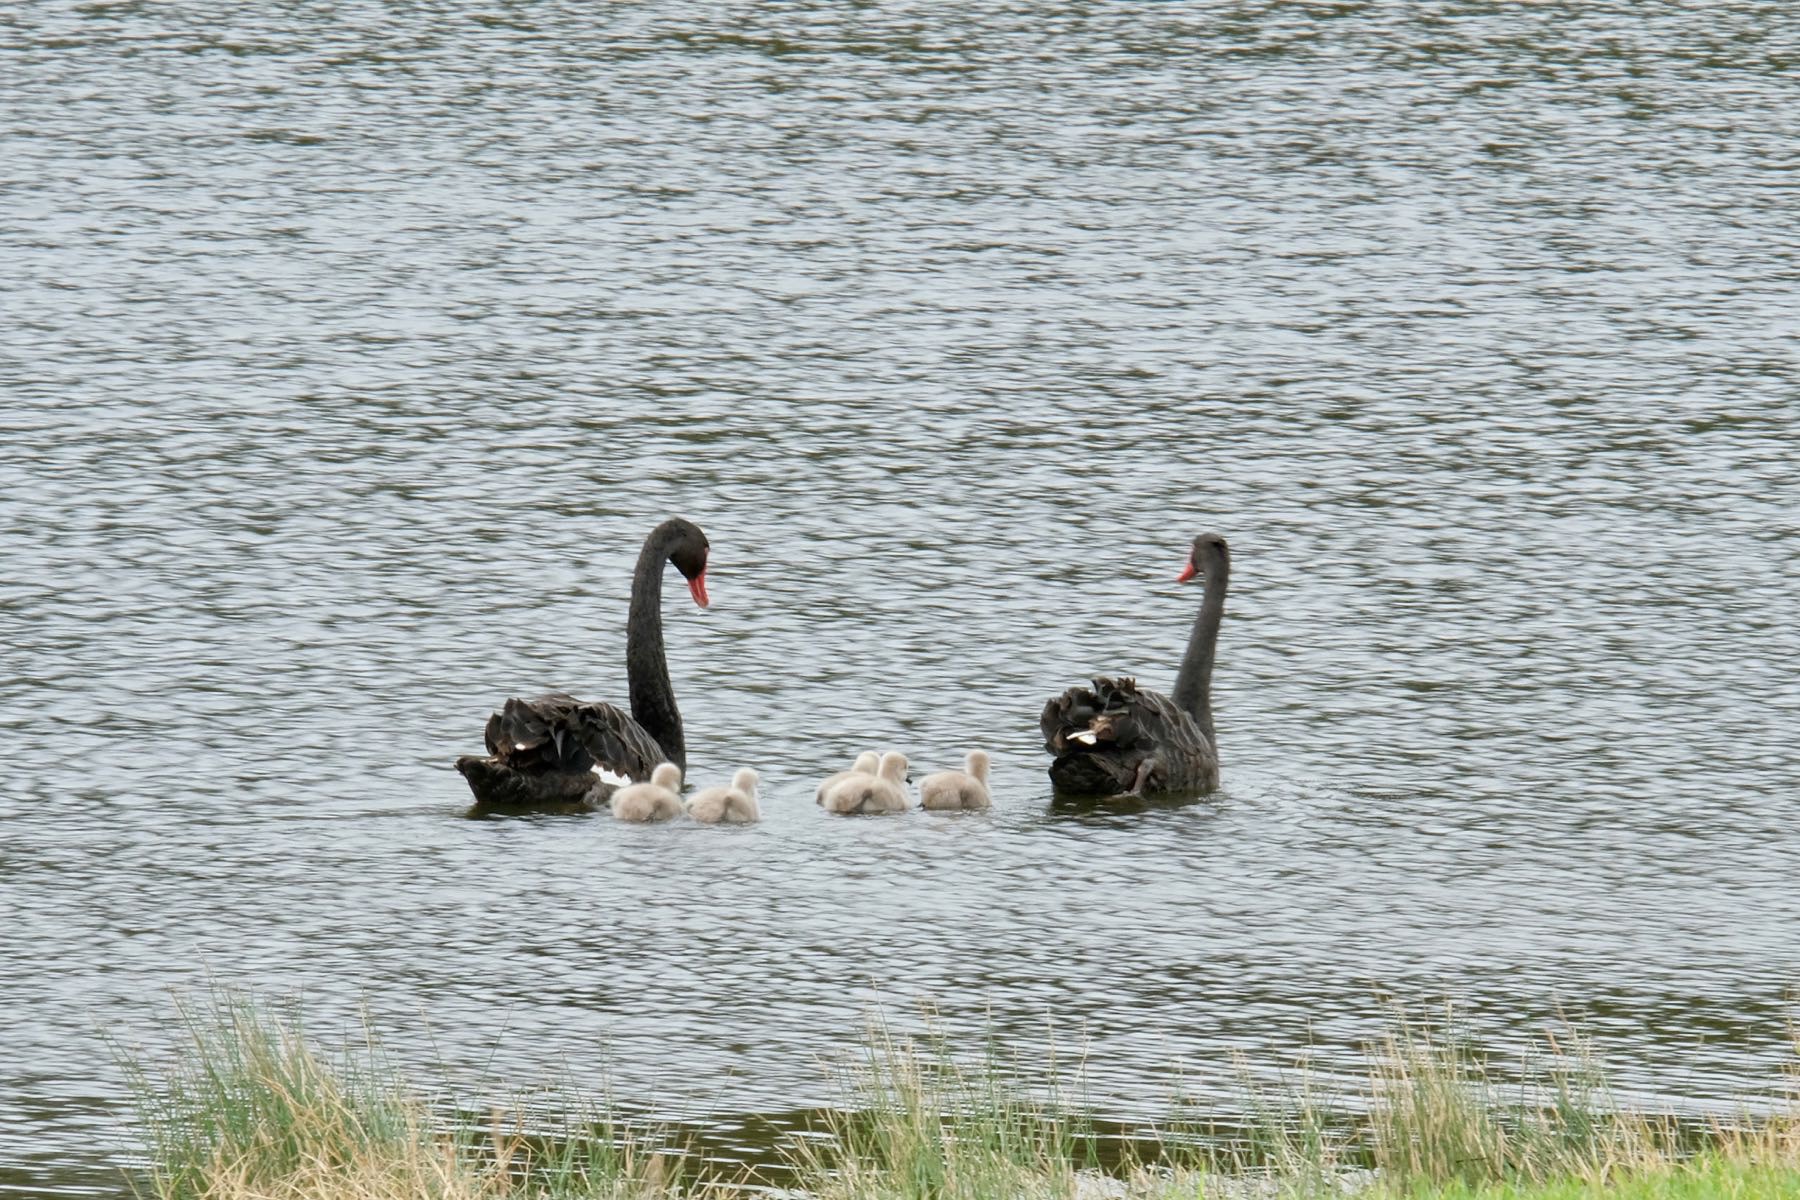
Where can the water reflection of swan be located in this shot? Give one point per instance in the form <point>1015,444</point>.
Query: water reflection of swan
<point>1116,737</point>
<point>557,750</point>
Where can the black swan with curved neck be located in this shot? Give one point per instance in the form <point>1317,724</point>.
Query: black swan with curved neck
<point>1116,737</point>
<point>558,751</point>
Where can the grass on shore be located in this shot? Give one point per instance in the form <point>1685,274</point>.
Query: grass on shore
<point>250,1110</point>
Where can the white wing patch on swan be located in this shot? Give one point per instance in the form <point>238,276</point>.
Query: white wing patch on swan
<point>520,746</point>
<point>608,775</point>
<point>1086,737</point>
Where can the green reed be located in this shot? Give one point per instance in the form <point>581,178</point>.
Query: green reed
<point>249,1109</point>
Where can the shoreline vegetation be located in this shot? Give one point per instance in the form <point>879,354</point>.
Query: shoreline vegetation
<point>250,1108</point>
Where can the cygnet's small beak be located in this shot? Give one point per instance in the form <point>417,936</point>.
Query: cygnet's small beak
<point>1187,572</point>
<point>697,586</point>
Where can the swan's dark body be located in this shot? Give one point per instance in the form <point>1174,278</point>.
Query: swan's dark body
<point>1116,737</point>
<point>542,753</point>
<point>548,752</point>
<point>1134,729</point>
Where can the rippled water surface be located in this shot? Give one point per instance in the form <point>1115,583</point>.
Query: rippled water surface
<point>349,352</point>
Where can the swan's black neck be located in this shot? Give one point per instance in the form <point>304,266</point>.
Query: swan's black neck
<point>1193,686</point>
<point>646,664</point>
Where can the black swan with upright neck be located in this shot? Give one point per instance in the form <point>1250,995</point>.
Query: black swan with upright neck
<point>1116,737</point>
<point>557,751</point>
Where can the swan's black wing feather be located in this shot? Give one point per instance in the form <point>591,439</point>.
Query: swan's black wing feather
<point>531,730</point>
<point>610,737</point>
<point>1104,736</point>
<point>549,751</point>
<point>1066,715</point>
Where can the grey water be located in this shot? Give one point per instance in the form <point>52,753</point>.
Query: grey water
<point>349,350</point>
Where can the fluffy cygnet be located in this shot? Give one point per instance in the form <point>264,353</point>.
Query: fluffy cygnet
<point>653,801</point>
<point>732,805</point>
<point>865,764</point>
<point>958,789</point>
<point>883,792</point>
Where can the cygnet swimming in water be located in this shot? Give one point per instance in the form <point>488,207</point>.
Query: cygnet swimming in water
<point>653,801</point>
<point>957,789</point>
<point>731,805</point>
<point>883,792</point>
<point>865,764</point>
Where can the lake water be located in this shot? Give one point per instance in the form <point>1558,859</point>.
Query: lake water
<point>349,353</point>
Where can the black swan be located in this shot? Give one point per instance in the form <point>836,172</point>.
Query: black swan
<point>557,751</point>
<point>958,789</point>
<point>1116,737</point>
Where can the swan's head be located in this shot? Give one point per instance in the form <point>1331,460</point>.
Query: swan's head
<point>1208,552</point>
<point>667,776</point>
<point>866,763</point>
<point>687,551</point>
<point>744,781</point>
<point>893,767</point>
<point>978,765</point>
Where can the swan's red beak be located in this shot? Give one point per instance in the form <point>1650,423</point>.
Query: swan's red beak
<point>697,586</point>
<point>1187,572</point>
